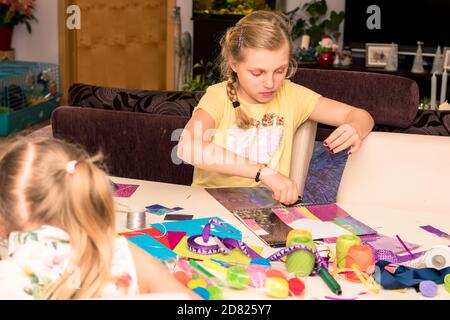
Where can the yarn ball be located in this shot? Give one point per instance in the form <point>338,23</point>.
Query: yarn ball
<point>257,275</point>
<point>214,293</point>
<point>237,277</point>
<point>296,286</point>
<point>273,273</point>
<point>301,262</point>
<point>182,277</point>
<point>277,288</point>
<point>202,292</point>
<point>428,289</point>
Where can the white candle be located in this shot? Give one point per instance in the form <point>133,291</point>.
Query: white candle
<point>433,91</point>
<point>444,87</point>
<point>305,42</point>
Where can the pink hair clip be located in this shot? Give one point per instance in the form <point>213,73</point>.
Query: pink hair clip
<point>241,38</point>
<point>70,167</point>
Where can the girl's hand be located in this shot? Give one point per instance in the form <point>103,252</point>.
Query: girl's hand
<point>343,137</point>
<point>284,189</point>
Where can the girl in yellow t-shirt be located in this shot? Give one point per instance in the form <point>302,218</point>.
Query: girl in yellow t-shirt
<point>241,133</point>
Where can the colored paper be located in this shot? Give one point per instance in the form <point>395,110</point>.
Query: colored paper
<point>125,190</point>
<point>153,247</point>
<point>158,209</point>
<point>178,217</point>
<point>319,229</point>
<point>195,227</point>
<point>435,231</point>
<point>379,241</point>
<point>243,198</point>
<point>174,238</point>
<point>328,212</point>
<point>251,223</point>
<point>235,257</point>
<point>153,232</point>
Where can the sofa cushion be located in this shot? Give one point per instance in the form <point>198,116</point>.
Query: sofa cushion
<point>180,103</point>
<point>391,100</point>
<point>137,146</point>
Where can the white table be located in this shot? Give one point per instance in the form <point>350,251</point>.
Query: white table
<point>201,204</point>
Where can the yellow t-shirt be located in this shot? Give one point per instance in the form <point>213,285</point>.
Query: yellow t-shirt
<point>270,138</point>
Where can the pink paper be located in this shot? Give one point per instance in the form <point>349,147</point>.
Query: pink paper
<point>125,190</point>
<point>174,238</point>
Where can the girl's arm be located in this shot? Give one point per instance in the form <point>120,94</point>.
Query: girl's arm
<point>153,277</point>
<point>353,124</point>
<point>196,148</point>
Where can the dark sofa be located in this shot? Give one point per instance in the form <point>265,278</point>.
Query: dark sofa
<point>137,130</point>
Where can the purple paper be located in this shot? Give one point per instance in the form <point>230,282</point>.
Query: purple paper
<point>435,231</point>
<point>125,190</point>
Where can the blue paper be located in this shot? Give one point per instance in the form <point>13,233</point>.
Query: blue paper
<point>153,247</point>
<point>195,227</point>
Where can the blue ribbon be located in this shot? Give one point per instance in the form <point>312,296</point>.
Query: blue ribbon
<point>405,277</point>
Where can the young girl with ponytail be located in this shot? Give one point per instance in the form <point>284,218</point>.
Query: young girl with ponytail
<point>57,210</point>
<point>241,133</point>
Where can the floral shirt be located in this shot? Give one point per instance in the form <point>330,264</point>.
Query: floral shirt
<point>38,258</point>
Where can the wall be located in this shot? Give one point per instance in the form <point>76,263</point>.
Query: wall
<point>42,44</point>
<point>186,10</point>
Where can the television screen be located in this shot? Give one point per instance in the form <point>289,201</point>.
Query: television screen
<point>401,21</point>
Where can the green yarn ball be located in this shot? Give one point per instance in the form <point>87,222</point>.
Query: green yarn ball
<point>237,277</point>
<point>301,262</point>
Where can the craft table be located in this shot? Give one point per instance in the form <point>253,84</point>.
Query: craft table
<point>201,204</point>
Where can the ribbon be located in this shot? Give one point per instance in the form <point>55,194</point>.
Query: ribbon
<point>404,277</point>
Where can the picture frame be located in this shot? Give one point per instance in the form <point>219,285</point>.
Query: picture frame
<point>377,54</point>
<point>446,57</point>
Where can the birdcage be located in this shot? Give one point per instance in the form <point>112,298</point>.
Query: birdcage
<point>29,92</point>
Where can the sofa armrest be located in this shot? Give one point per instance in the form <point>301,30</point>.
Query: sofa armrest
<point>399,171</point>
<point>302,151</point>
<point>135,145</point>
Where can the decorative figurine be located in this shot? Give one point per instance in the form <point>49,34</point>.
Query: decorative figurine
<point>418,60</point>
<point>438,62</point>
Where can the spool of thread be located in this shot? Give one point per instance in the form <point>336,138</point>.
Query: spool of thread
<point>362,256</point>
<point>447,283</point>
<point>277,288</point>
<point>136,219</point>
<point>237,277</point>
<point>214,293</point>
<point>257,275</point>
<point>297,233</point>
<point>301,262</point>
<point>343,244</point>
<point>438,257</point>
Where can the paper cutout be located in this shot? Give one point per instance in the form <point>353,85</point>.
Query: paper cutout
<point>195,227</point>
<point>319,229</point>
<point>174,238</point>
<point>153,232</point>
<point>178,217</point>
<point>125,190</point>
<point>158,210</point>
<point>153,247</point>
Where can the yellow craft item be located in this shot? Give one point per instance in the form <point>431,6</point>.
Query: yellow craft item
<point>297,233</point>
<point>197,283</point>
<point>277,288</point>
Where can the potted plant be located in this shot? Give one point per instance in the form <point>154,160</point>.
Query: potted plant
<point>12,13</point>
<point>314,21</point>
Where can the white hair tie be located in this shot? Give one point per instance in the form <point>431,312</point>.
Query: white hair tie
<point>70,167</point>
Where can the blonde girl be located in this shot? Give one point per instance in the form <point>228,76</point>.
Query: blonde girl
<point>241,133</point>
<point>57,210</point>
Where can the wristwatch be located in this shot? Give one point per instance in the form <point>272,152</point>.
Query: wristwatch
<point>258,174</point>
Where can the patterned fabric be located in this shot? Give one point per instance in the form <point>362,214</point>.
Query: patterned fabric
<point>427,122</point>
<point>324,175</point>
<point>179,103</point>
<point>38,258</point>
